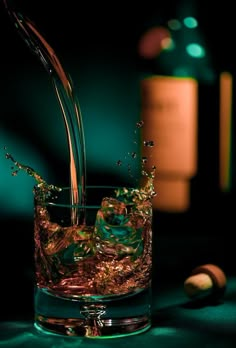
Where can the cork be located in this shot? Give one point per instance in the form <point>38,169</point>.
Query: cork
<point>205,280</point>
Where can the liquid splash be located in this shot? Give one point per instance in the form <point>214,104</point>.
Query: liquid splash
<point>72,117</point>
<point>45,188</point>
<point>145,192</point>
<point>67,100</point>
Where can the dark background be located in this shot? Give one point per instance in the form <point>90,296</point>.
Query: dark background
<point>97,43</point>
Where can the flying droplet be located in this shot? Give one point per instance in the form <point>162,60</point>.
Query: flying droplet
<point>14,173</point>
<point>144,159</point>
<point>148,143</point>
<point>140,124</point>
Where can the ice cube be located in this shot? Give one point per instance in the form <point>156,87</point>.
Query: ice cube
<point>113,211</point>
<point>116,231</point>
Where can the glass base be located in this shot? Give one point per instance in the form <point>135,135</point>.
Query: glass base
<point>93,328</point>
<point>106,318</point>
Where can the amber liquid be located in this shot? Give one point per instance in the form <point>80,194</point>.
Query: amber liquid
<point>106,264</point>
<point>99,261</point>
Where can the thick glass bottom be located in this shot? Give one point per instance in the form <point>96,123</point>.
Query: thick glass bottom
<point>120,316</point>
<point>92,328</point>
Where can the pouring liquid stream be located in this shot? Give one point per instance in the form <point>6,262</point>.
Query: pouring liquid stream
<point>68,103</point>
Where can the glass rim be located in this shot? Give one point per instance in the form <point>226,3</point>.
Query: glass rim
<point>78,205</point>
<point>88,186</point>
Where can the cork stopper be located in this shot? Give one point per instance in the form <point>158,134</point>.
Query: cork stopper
<point>208,279</point>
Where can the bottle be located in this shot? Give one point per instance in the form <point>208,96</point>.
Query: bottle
<point>174,61</point>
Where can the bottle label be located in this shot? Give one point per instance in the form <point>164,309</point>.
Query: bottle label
<point>169,109</point>
<point>169,112</point>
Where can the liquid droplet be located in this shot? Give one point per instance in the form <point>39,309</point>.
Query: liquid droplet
<point>140,124</point>
<point>149,143</point>
<point>144,159</point>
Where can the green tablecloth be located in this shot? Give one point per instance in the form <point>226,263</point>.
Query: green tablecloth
<point>177,322</point>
